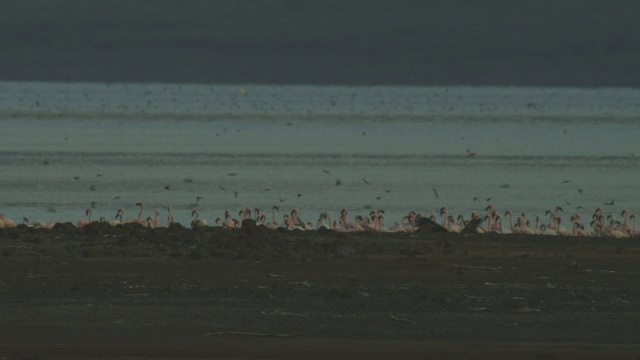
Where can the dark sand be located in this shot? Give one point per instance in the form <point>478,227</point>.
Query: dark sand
<point>103,292</point>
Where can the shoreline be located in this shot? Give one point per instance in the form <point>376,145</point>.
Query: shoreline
<point>130,291</point>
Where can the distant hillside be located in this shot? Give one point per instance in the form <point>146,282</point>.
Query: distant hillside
<point>570,42</point>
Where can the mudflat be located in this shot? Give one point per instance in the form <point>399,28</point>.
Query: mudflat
<point>128,291</point>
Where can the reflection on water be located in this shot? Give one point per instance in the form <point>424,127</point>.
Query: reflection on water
<point>66,146</point>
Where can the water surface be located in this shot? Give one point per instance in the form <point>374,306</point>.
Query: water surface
<point>65,147</point>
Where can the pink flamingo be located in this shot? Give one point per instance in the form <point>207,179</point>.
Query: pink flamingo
<point>625,224</point>
<point>245,213</point>
<point>6,222</point>
<point>344,220</point>
<point>119,214</point>
<point>322,221</point>
<point>274,222</point>
<point>525,228</point>
<point>153,222</point>
<point>444,212</point>
<point>578,228</point>
<point>514,230</point>
<point>169,217</point>
<point>453,227</point>
<point>337,227</point>
<point>295,219</point>
<point>372,224</point>
<point>377,217</point>
<point>197,221</point>
<point>229,221</point>
<point>634,230</point>
<point>496,225</point>
<point>141,209</point>
<point>381,227</point>
<point>83,222</point>
<point>139,219</point>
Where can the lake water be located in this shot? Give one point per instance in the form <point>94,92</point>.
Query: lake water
<point>66,147</point>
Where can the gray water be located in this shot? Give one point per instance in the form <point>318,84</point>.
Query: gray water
<point>66,147</point>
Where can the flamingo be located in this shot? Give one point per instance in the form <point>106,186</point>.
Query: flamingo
<point>274,222</point>
<point>229,221</point>
<point>245,213</point>
<point>169,217</point>
<point>407,223</point>
<point>139,219</point>
<point>25,222</point>
<point>547,230</point>
<point>119,214</point>
<point>634,230</point>
<point>381,227</point>
<point>83,222</point>
<point>616,229</point>
<point>141,209</point>
<point>321,221</point>
<point>295,220</point>
<point>453,227</point>
<point>411,217</point>
<point>525,227</point>
<point>625,224</point>
<point>496,226</point>
<point>344,220</point>
<point>563,231</point>
<point>197,221</point>
<point>444,212</point>
<point>489,219</point>
<point>344,217</point>
<point>578,228</point>
<point>153,221</point>
<point>552,220</point>
<point>359,224</point>
<point>514,230</point>
<point>338,227</point>
<point>8,223</point>
<point>376,216</point>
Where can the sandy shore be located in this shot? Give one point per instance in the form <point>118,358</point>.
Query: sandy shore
<point>176,293</point>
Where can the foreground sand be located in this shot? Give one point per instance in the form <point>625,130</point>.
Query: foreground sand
<point>174,293</point>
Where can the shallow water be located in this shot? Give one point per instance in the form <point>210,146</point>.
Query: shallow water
<point>66,146</point>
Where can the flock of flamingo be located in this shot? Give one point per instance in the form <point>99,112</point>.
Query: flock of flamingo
<point>600,224</point>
